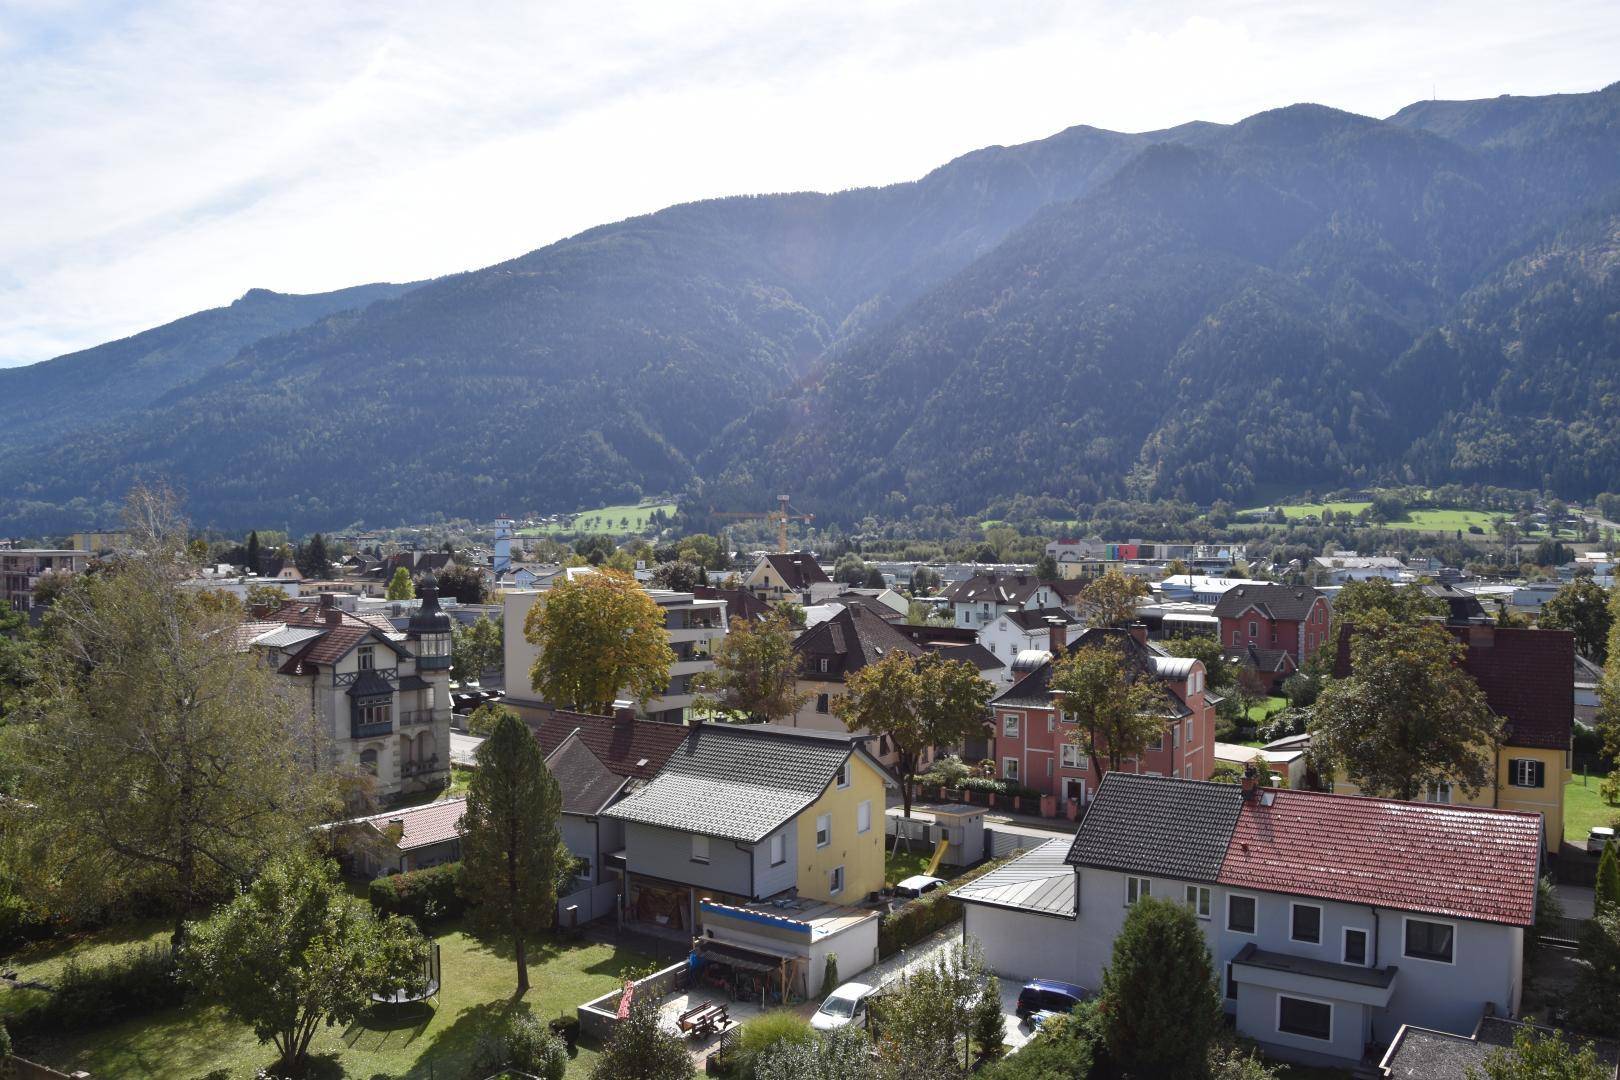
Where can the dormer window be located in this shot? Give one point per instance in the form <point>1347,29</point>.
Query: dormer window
<point>824,664</point>
<point>365,656</point>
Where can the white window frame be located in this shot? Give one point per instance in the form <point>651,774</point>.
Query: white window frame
<point>1072,758</point>
<point>1366,949</point>
<point>1254,927</point>
<point>843,774</point>
<point>1254,629</point>
<point>1432,793</point>
<point>1199,899</point>
<point>1009,726</point>
<point>823,663</point>
<point>1514,769</point>
<point>1157,744</point>
<point>863,816</point>
<point>1407,920</point>
<point>823,830</point>
<point>835,880</point>
<point>1009,769</point>
<point>700,848</point>
<point>1186,739</point>
<point>1310,1000</point>
<point>1293,907</point>
<point>1137,888</point>
<point>365,657</point>
<point>778,849</point>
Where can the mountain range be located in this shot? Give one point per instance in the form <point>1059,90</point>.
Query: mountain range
<point>1306,298</point>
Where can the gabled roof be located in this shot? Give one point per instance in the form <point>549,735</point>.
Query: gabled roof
<point>633,749</point>
<point>797,569</point>
<point>739,781</point>
<point>1039,880</point>
<point>1288,603</point>
<point>1157,825</point>
<point>975,654</point>
<point>1034,690</point>
<point>994,589</point>
<point>1035,619</point>
<point>588,786</point>
<point>1524,674</point>
<point>1266,660</point>
<point>1464,862</point>
<point>851,639</point>
<point>431,823</point>
<point>740,603</point>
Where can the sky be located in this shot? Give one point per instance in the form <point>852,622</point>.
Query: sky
<point>164,157</point>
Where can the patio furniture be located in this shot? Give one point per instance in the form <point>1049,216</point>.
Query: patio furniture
<point>704,1020</point>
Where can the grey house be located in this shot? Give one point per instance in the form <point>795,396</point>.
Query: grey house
<point>588,788</point>
<point>1333,920</point>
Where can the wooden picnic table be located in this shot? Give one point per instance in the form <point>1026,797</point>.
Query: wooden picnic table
<point>704,1020</point>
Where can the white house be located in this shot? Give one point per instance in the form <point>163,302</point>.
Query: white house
<point>1332,920</point>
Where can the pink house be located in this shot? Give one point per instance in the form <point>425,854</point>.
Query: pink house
<point>1035,746</point>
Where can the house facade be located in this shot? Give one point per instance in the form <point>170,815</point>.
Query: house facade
<point>790,575</point>
<point>21,570</point>
<point>1524,674</point>
<point>980,599</point>
<point>1331,920</point>
<point>379,699</point>
<point>1016,632</point>
<point>832,651</point>
<point>1291,619</point>
<point>1033,744</point>
<point>742,813</point>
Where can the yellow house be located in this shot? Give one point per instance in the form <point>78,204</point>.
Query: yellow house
<point>841,834</point>
<point>1527,676</point>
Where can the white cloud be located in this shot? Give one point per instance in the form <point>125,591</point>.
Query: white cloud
<point>166,157</point>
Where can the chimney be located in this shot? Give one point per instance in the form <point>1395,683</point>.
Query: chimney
<point>1139,632</point>
<point>1251,782</point>
<point>261,611</point>
<point>1481,635</point>
<point>334,617</point>
<point>1057,634</point>
<point>624,713</point>
<point>326,600</point>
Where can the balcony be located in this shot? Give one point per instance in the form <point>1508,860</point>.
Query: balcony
<point>424,767</point>
<point>358,730</point>
<point>415,717</point>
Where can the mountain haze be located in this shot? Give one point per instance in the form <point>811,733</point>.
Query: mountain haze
<point>1304,298</point>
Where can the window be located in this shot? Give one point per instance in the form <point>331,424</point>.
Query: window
<point>843,774</point>
<point>863,816</point>
<point>1009,726</point>
<point>1175,737</point>
<point>1527,772</point>
<point>778,849</point>
<point>365,656</point>
<point>835,881</point>
<point>1254,630</point>
<point>1301,1016</point>
<point>1198,900</point>
<point>1137,888</point>
<point>1072,758</point>
<point>823,830</point>
<point>1438,793</point>
<point>1188,739</point>
<point>1158,742</point>
<point>823,664</point>
<point>1237,637</point>
<point>821,703</point>
<point>1240,914</point>
<point>1307,923</point>
<point>700,848</point>
<point>1429,940</point>
<point>1231,984</point>
<point>1355,946</point>
<point>1009,768</point>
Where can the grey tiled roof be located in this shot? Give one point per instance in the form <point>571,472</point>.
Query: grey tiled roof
<point>738,781</point>
<point>1287,602</point>
<point>1158,825</point>
<point>587,784</point>
<point>1040,880</point>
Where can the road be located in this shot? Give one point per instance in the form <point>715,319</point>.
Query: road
<point>463,747</point>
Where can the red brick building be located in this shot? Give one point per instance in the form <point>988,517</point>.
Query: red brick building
<point>1272,629</point>
<point>1034,746</point>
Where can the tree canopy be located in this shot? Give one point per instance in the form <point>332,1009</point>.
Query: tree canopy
<point>598,635</point>
<point>475,649</point>
<point>1581,607</point>
<point>400,586</point>
<point>1118,712</point>
<point>755,670</point>
<point>1111,600</point>
<point>1159,1009</point>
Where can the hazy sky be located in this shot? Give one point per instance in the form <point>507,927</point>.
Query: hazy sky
<point>159,158</point>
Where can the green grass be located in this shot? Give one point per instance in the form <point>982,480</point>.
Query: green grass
<point>903,864</point>
<point>1584,806</point>
<point>605,519</point>
<point>1259,714</point>
<point>1437,521</point>
<point>423,1041</point>
<point>43,961</point>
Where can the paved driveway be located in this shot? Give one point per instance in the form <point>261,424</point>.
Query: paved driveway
<point>463,747</point>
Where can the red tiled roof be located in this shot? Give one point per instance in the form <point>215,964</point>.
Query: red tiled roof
<point>327,649</point>
<point>1524,674</point>
<point>1460,861</point>
<point>425,825</point>
<point>635,749</point>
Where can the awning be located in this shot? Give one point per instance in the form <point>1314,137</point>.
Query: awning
<point>1323,978</point>
<point>739,957</point>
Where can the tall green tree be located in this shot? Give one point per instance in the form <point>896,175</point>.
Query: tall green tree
<point>1377,600</point>
<point>464,582</point>
<point>1111,600</point>
<point>1608,718</point>
<point>475,649</point>
<point>312,558</point>
<point>295,951</point>
<point>1118,713</point>
<point>1581,607</point>
<point>1159,1008</point>
<point>1046,568</point>
<point>510,840</point>
<point>400,586</point>
<point>1409,715</point>
<point>925,1022</point>
<point>755,670</point>
<point>1206,649</point>
<point>163,762</point>
<point>255,562</point>
<point>920,703</point>
<point>598,635</point>
<point>1607,887</point>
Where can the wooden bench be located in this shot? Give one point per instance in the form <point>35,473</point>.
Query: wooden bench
<point>704,1020</point>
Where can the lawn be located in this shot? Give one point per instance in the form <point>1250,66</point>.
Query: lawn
<point>1584,806</point>
<point>902,864</point>
<point>1440,521</point>
<point>421,1041</point>
<point>1259,714</point>
<point>605,519</point>
<point>43,961</point>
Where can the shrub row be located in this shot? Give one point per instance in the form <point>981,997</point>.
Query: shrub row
<point>430,895</point>
<point>134,983</point>
<point>919,918</point>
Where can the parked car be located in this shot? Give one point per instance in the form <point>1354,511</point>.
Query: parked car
<point>913,887</point>
<point>845,1005</point>
<point>1048,996</point>
<point>1598,838</point>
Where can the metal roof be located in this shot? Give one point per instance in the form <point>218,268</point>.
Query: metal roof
<point>287,635</point>
<point>1038,880</point>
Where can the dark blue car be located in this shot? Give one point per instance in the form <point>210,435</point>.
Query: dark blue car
<point>1049,996</point>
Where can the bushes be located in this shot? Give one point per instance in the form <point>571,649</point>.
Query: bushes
<point>919,918</point>
<point>531,1047</point>
<point>767,1034</point>
<point>428,896</point>
<point>1065,1048</point>
<point>133,983</point>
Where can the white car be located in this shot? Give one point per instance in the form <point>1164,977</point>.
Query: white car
<point>1599,838</point>
<point>845,1005</point>
<point>913,887</point>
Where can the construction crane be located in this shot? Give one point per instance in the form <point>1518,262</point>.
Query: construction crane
<point>779,517</point>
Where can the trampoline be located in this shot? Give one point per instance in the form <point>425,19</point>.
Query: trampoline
<point>430,982</point>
